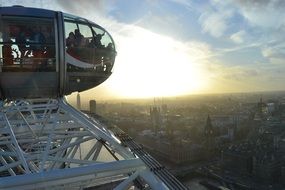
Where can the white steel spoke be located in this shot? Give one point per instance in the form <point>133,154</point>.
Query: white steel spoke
<point>46,152</point>
<point>97,152</point>
<point>47,144</point>
<point>128,182</point>
<point>17,147</point>
<point>95,147</point>
<point>3,161</point>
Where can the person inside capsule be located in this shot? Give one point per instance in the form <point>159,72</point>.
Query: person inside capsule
<point>27,45</point>
<point>87,45</point>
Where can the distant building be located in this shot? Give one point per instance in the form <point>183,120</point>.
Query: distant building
<point>161,147</point>
<point>268,166</point>
<point>156,119</point>
<point>239,157</point>
<point>208,130</point>
<point>232,131</point>
<point>92,106</point>
<point>164,108</point>
<point>209,133</point>
<point>222,120</point>
<point>78,102</point>
<point>261,161</point>
<point>261,111</point>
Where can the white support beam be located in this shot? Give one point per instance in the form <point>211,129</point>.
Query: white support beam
<point>102,170</point>
<point>46,151</point>
<point>92,150</point>
<point>96,154</point>
<point>96,131</point>
<point>126,184</point>
<point>3,161</point>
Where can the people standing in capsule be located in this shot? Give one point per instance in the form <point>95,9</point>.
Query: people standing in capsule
<point>79,38</point>
<point>70,41</point>
<point>97,40</point>
<point>7,53</point>
<point>38,41</point>
<point>21,41</point>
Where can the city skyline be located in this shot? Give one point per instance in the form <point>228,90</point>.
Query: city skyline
<point>176,47</point>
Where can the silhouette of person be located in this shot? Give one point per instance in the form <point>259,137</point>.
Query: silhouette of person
<point>7,53</point>
<point>70,40</point>
<point>71,45</point>
<point>38,39</point>
<point>49,46</point>
<point>21,41</point>
<point>98,39</point>
<point>110,46</point>
<point>79,38</point>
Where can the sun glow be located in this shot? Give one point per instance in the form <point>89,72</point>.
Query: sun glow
<point>151,65</point>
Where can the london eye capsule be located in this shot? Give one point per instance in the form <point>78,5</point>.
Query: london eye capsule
<point>46,53</point>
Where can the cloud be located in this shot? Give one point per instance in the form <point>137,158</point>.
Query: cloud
<point>94,10</point>
<point>215,18</point>
<point>258,19</point>
<point>233,79</point>
<point>238,37</point>
<point>185,3</point>
<point>85,7</point>
<point>198,50</point>
<point>239,73</point>
<point>48,4</point>
<point>265,25</point>
<point>278,4</point>
<point>274,53</point>
<point>213,23</point>
<point>263,13</point>
<point>167,24</point>
<point>255,24</point>
<point>263,77</point>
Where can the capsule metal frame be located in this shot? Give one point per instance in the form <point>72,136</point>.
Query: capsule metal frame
<point>38,61</point>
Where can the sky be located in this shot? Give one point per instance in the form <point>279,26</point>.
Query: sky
<point>179,47</point>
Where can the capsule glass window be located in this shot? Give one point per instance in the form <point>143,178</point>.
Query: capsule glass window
<point>103,38</point>
<point>79,51</point>
<point>27,44</point>
<point>89,48</point>
<point>105,48</point>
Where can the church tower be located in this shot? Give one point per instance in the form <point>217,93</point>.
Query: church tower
<point>209,132</point>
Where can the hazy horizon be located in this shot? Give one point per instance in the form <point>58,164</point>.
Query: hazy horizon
<point>158,100</point>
